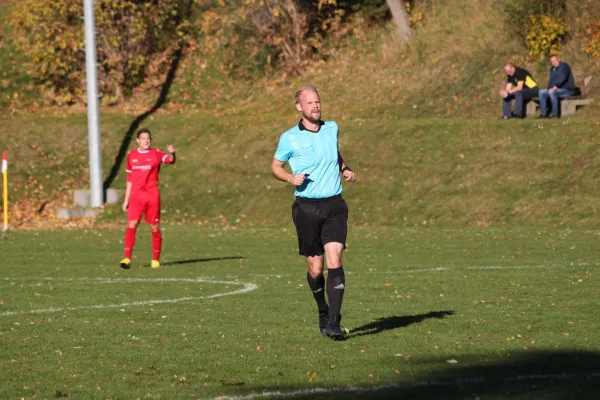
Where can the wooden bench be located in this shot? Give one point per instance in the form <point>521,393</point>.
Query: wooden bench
<point>568,105</point>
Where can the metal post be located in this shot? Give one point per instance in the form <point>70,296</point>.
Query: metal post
<point>96,194</point>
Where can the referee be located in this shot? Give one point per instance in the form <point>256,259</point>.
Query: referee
<point>319,212</point>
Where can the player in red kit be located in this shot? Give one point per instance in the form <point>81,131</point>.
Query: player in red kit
<point>142,195</point>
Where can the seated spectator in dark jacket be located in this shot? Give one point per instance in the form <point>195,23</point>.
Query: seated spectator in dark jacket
<point>561,84</point>
<point>521,87</point>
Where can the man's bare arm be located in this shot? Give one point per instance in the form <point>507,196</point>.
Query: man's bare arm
<point>172,152</point>
<point>127,196</point>
<point>504,93</point>
<point>281,174</point>
<point>518,88</point>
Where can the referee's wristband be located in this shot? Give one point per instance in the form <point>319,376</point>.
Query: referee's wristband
<point>346,168</point>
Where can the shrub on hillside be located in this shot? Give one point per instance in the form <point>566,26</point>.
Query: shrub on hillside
<point>591,40</point>
<point>540,24</point>
<point>546,35</point>
<point>257,35</point>
<point>134,40</point>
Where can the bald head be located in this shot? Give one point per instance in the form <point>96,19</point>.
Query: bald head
<point>305,89</point>
<point>308,103</point>
<point>509,69</point>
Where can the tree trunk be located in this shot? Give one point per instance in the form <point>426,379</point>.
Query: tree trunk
<point>401,18</point>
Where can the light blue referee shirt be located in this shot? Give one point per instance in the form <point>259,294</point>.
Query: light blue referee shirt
<point>313,153</point>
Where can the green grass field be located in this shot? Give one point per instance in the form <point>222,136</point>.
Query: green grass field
<point>472,252</point>
<point>432,313</point>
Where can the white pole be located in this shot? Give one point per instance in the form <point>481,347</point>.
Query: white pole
<point>96,193</point>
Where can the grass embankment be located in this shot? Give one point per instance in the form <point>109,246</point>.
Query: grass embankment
<point>404,128</point>
<point>411,172</point>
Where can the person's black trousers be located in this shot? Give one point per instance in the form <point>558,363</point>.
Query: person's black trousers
<point>521,98</point>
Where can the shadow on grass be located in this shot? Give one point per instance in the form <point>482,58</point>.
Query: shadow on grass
<point>200,260</point>
<point>162,99</point>
<point>395,322</point>
<point>549,375</point>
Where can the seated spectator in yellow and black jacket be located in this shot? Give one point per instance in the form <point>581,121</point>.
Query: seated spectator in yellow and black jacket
<point>521,87</point>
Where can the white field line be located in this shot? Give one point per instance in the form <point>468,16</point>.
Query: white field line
<point>484,268</point>
<point>368,389</point>
<point>357,271</point>
<point>445,268</point>
<point>248,287</point>
<point>96,281</point>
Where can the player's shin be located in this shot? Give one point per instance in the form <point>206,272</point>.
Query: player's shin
<point>336,283</point>
<point>317,286</point>
<point>156,244</point>
<point>129,241</point>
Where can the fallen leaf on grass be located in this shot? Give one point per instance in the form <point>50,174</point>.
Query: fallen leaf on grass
<point>312,376</point>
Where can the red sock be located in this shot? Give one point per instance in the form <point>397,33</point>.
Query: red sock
<point>129,241</point>
<point>156,245</point>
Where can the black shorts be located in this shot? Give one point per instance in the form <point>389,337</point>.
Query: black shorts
<point>318,222</point>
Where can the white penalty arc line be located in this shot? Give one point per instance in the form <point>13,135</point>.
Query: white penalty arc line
<point>248,287</point>
<point>100,281</point>
<point>366,389</point>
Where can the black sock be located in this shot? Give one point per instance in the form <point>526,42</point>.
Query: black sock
<point>317,286</point>
<point>336,283</point>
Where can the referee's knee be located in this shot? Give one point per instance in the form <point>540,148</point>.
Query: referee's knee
<point>315,266</point>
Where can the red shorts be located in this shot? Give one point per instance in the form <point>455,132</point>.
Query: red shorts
<point>144,203</point>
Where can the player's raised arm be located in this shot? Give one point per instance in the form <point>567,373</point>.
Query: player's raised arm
<point>171,156</point>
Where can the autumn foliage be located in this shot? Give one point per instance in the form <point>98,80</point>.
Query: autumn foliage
<point>546,35</point>
<point>134,40</point>
<point>257,35</point>
<point>540,24</point>
<point>591,39</point>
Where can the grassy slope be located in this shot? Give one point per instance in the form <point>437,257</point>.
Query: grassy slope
<point>415,167</point>
<point>412,172</point>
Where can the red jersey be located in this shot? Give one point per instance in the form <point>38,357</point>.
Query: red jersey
<point>143,168</point>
